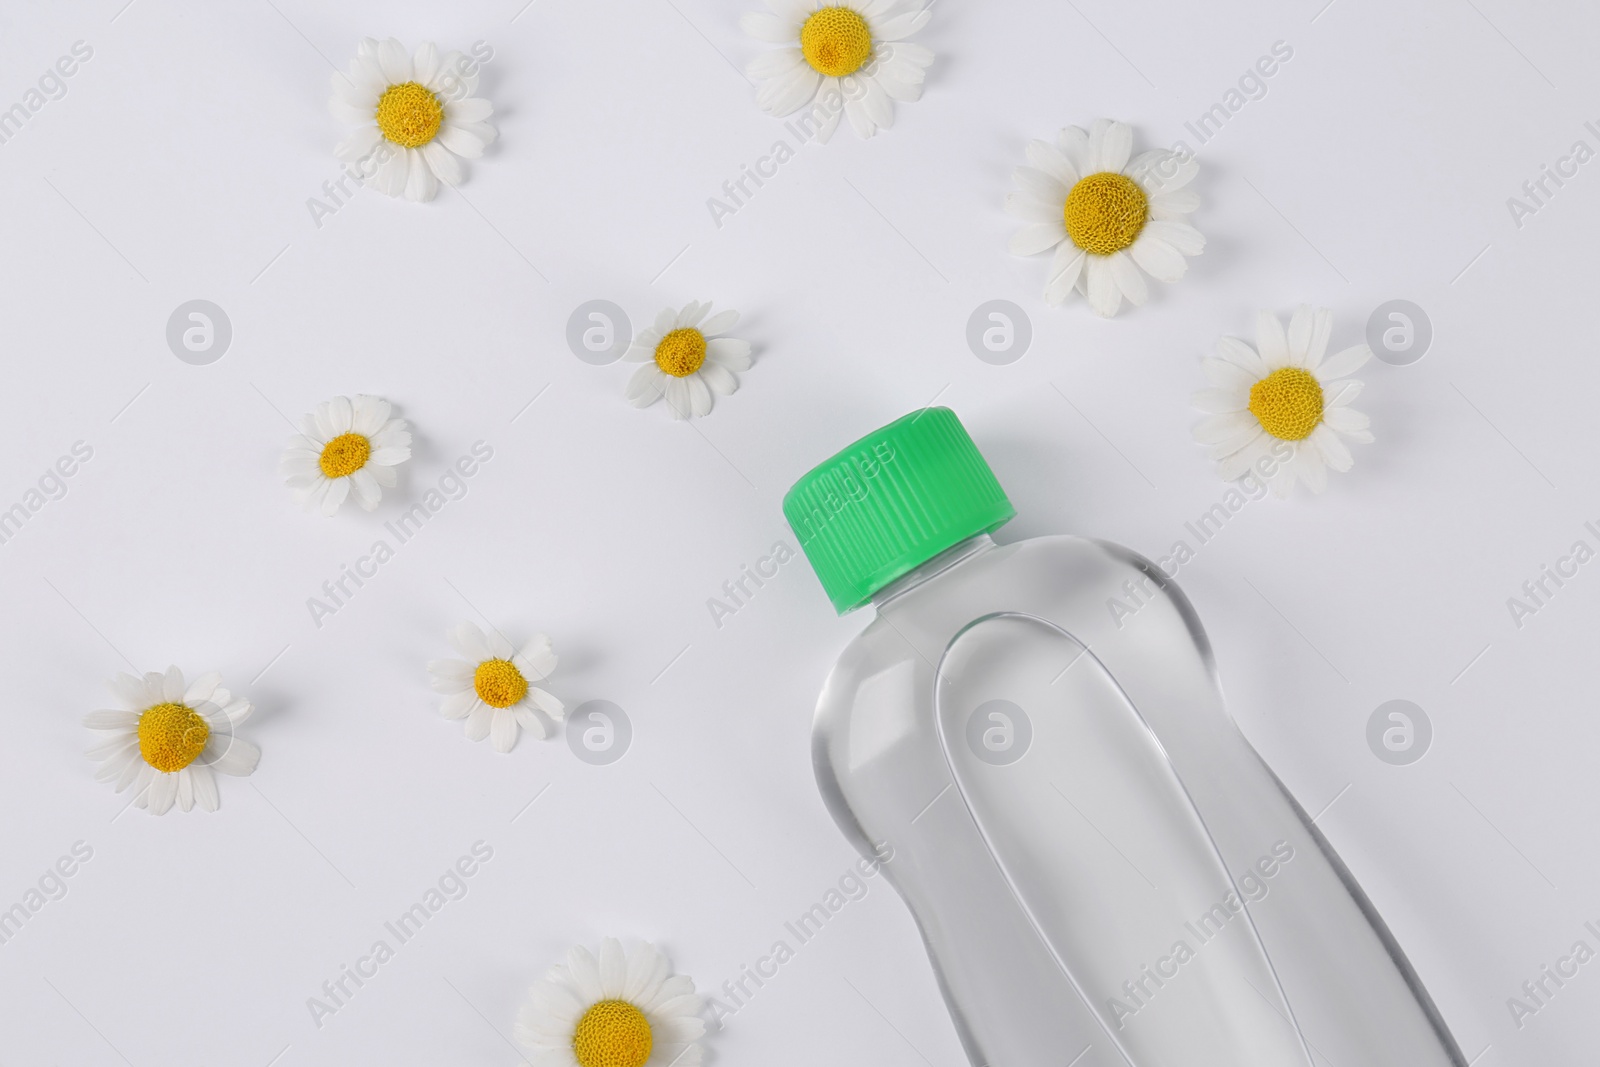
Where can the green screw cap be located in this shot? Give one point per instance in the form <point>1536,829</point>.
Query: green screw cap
<point>892,501</point>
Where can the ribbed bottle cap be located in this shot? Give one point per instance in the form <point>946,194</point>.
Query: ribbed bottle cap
<point>891,502</point>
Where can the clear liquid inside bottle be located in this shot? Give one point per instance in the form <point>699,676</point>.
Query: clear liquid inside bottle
<point>1099,863</point>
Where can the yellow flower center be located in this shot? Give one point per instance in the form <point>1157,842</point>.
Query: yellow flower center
<point>410,115</point>
<point>344,455</point>
<point>499,683</point>
<point>612,1033</point>
<point>1287,403</point>
<point>1105,212</point>
<point>681,352</point>
<point>171,736</point>
<point>836,41</point>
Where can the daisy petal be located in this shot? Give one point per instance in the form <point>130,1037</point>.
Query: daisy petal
<point>1344,363</point>
<point>1271,341</point>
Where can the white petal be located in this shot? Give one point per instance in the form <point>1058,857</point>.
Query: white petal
<point>1309,467</point>
<point>359,144</point>
<point>1271,342</point>
<point>503,730</point>
<point>421,185</point>
<point>112,720</point>
<point>390,179</point>
<point>162,792</point>
<point>730,352</point>
<point>130,691</point>
<point>613,968</point>
<point>1179,235</point>
<point>720,379</point>
<point>1066,268</point>
<point>1242,355</point>
<point>699,395</point>
<point>469,641</point>
<point>585,973</point>
<point>647,385</point>
<point>547,703</point>
<point>1334,452</point>
<point>1050,160</point>
<point>1037,237</point>
<point>394,61</point>
<point>1103,293</point>
<point>1156,257</point>
<point>172,687</point>
<point>425,63</point>
<point>1241,461</point>
<point>1030,208</point>
<point>902,26</point>
<point>462,139</point>
<point>368,414</point>
<point>338,489</point>
<point>1308,335</point>
<point>536,659</point>
<point>1344,363</point>
<point>769,28</point>
<point>1225,374</point>
<point>1174,206</point>
<point>1116,145</point>
<point>459,704</point>
<point>478,722</point>
<point>205,787</point>
<point>472,109</point>
<point>720,323</point>
<point>677,397</point>
<point>1346,420</point>
<point>237,757</point>
<point>1128,278</point>
<point>1218,401</point>
<point>1218,429</point>
<point>202,688</point>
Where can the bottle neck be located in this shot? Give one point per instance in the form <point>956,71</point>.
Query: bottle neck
<point>955,555</point>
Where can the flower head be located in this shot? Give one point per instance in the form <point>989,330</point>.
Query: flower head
<point>1111,217</point>
<point>415,117</point>
<point>842,57</point>
<point>168,739</point>
<point>347,447</point>
<point>1283,401</point>
<point>492,687</point>
<point>686,359</point>
<point>620,1010</point>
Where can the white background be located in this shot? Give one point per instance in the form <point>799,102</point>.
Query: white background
<point>179,165</point>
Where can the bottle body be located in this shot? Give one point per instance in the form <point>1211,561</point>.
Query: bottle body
<point>1100,864</point>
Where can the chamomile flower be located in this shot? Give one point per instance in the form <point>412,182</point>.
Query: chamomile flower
<point>686,359</point>
<point>347,447</point>
<point>621,1010</point>
<point>169,740</point>
<point>844,57</point>
<point>492,688</point>
<point>415,117</point>
<point>1111,217</point>
<point>1281,400</point>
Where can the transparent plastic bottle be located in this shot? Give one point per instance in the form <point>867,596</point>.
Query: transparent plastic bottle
<point>1104,871</point>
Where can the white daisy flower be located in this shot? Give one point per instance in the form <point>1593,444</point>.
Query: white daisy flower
<point>347,447</point>
<point>169,738</point>
<point>415,117</point>
<point>1282,401</point>
<point>622,1010</point>
<point>846,58</point>
<point>492,687</point>
<point>686,359</point>
<point>1109,220</point>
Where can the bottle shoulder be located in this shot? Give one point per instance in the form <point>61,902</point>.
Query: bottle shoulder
<point>1051,576</point>
<point>1107,597</point>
